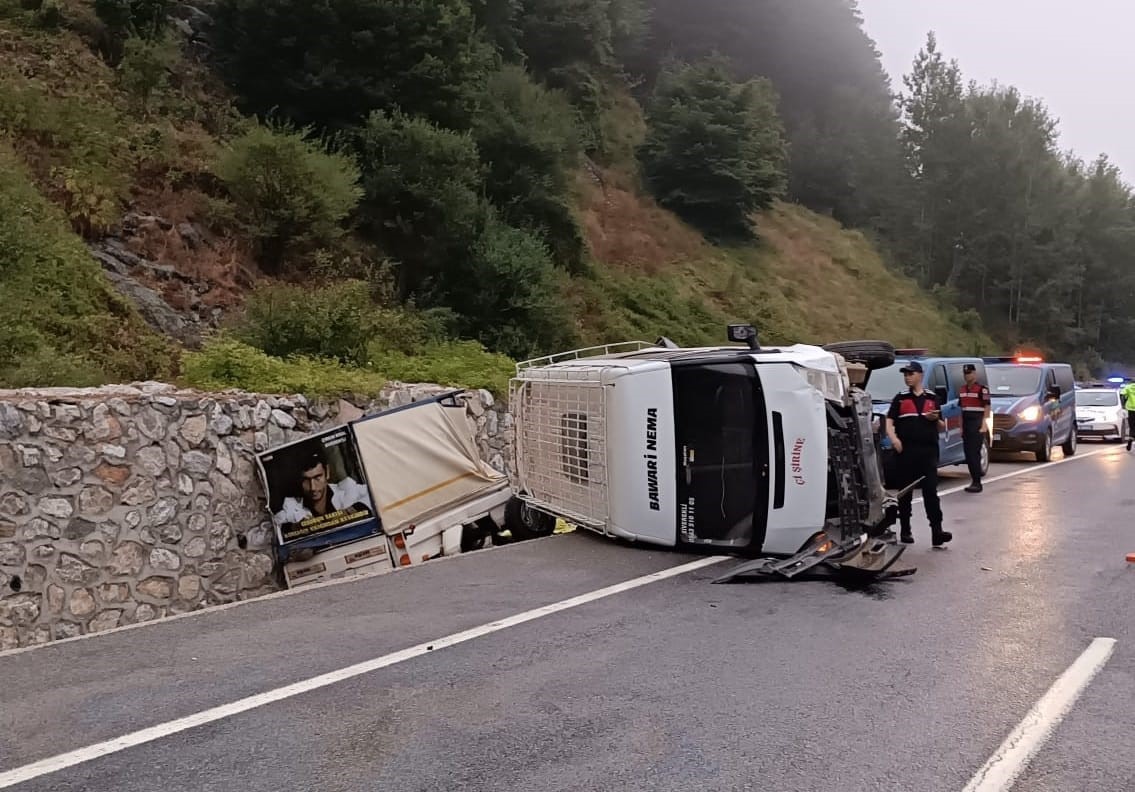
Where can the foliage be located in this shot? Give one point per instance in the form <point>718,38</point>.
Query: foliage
<point>339,321</point>
<point>835,98</point>
<point>62,322</point>
<point>332,63</point>
<point>527,137</point>
<point>289,192</point>
<point>714,151</point>
<point>423,194</point>
<point>459,364</point>
<point>508,296</point>
<point>225,363</point>
<point>1036,241</point>
<point>145,66</point>
<point>126,19</point>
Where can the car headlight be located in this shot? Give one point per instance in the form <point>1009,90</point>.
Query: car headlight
<point>1030,414</point>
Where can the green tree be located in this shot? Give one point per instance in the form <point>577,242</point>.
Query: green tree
<point>508,295</point>
<point>529,142</point>
<point>935,135</point>
<point>330,63</point>
<point>423,189</point>
<point>714,151</point>
<point>288,191</point>
<point>834,96</point>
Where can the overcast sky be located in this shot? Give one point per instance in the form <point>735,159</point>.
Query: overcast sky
<point>1075,55</point>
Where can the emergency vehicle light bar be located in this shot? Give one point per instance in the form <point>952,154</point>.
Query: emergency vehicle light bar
<point>1013,359</point>
<point>911,352</point>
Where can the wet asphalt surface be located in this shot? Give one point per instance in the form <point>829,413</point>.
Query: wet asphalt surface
<point>907,684</point>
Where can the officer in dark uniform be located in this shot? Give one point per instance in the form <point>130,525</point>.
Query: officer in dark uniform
<point>977,405</point>
<point>913,424</point>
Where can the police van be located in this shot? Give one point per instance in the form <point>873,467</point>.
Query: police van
<point>1034,405</point>
<point>942,376</point>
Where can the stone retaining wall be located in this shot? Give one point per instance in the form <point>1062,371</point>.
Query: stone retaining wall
<point>126,504</point>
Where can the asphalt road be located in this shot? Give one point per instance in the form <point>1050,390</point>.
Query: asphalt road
<point>678,684</point>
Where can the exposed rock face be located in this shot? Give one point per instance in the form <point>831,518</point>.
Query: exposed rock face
<point>125,504</point>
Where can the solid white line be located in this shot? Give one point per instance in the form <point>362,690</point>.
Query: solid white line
<point>56,763</point>
<point>1021,472</point>
<point>1005,766</point>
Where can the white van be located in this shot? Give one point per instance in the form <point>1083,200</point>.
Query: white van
<point>742,449</point>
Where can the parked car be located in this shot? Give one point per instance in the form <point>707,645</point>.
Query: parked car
<point>1034,405</point>
<point>943,376</point>
<point>1100,413</point>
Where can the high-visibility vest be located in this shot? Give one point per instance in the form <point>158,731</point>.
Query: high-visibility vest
<point>974,398</point>
<point>1128,396</point>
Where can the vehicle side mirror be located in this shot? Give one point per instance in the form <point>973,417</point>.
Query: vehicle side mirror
<point>942,394</point>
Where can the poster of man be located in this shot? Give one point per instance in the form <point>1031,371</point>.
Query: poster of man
<point>316,486</point>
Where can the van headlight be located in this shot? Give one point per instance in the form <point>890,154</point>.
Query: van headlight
<point>1030,414</point>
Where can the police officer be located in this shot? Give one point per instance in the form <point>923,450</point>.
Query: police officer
<point>1127,394</point>
<point>977,406</point>
<point>913,424</point>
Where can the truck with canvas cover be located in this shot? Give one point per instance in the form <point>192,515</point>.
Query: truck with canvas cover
<point>386,491</point>
<point>761,452</point>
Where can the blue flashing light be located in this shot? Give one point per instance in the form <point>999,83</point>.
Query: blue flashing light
<point>1115,380</point>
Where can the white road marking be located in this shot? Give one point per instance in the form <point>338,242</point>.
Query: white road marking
<point>1009,761</point>
<point>1022,471</point>
<point>56,763</point>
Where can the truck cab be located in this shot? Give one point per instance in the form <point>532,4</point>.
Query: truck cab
<point>737,449</point>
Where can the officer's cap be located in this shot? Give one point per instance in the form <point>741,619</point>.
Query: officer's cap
<point>969,368</point>
<point>913,365</point>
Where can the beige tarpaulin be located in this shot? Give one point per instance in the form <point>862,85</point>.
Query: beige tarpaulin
<point>421,461</point>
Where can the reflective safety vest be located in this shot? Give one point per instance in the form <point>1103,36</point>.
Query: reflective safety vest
<point>974,398</point>
<point>1128,393</point>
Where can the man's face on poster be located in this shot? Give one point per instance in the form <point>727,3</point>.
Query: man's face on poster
<point>314,484</point>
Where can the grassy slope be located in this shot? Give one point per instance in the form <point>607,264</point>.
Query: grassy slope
<point>808,279</point>
<point>90,149</point>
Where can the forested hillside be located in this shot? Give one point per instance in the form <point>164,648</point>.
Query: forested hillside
<point>318,196</point>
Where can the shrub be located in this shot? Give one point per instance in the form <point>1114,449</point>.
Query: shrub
<point>145,66</point>
<point>339,321</point>
<point>289,192</point>
<point>423,193</point>
<point>459,364</point>
<point>528,138</point>
<point>61,321</point>
<point>227,363</point>
<point>508,296</point>
<point>714,151</point>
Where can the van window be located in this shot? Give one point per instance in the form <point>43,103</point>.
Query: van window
<point>885,383</point>
<point>1014,380</point>
<point>937,378</point>
<point>957,377</point>
<point>1065,379</point>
